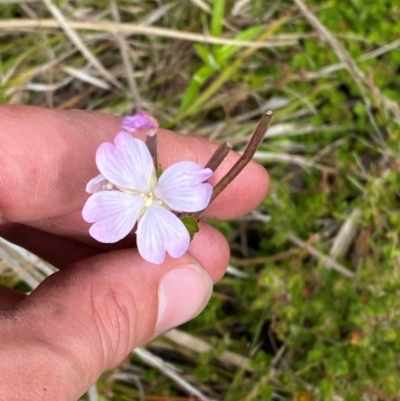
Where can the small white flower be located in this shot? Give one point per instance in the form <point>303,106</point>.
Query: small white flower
<point>127,193</point>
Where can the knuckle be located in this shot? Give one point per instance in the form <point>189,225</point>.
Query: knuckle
<point>114,312</point>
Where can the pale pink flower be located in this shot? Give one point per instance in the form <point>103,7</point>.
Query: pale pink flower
<point>127,193</point>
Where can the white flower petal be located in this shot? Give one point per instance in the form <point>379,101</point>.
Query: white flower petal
<point>182,187</point>
<point>127,164</point>
<point>160,231</point>
<point>96,184</point>
<point>113,213</point>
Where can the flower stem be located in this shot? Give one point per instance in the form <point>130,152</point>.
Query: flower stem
<point>244,159</point>
<point>218,157</point>
<point>151,142</point>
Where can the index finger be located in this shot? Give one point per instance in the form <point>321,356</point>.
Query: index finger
<point>48,156</point>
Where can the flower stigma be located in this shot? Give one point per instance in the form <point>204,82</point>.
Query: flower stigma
<point>148,199</point>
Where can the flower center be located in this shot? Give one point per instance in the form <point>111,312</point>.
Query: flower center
<point>148,199</point>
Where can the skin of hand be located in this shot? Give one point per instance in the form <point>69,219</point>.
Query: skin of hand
<point>104,300</point>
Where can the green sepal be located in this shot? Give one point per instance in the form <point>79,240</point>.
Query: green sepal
<point>191,225</point>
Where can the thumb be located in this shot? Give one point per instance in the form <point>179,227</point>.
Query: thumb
<point>87,318</point>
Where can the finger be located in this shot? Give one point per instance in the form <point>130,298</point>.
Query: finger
<point>211,249</point>
<point>9,297</point>
<point>48,156</point>
<point>86,319</point>
<point>209,246</point>
<point>58,250</point>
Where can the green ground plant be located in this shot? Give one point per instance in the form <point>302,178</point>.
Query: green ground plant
<point>311,303</point>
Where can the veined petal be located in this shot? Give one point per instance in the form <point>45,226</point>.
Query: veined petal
<point>182,187</point>
<point>160,231</point>
<point>139,121</point>
<point>96,184</point>
<point>113,213</point>
<point>127,164</point>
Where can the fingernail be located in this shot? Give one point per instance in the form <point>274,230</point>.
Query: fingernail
<point>182,295</point>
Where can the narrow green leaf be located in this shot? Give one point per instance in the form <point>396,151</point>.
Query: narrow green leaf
<point>217,17</point>
<point>224,52</point>
<point>195,85</point>
<point>207,56</point>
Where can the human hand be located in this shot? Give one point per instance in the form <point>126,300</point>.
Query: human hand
<point>105,300</point>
